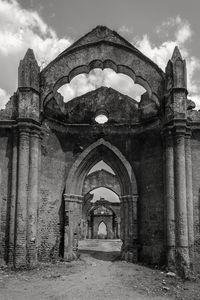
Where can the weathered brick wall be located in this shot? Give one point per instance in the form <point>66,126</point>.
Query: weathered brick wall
<point>145,154</point>
<point>55,161</point>
<point>60,150</point>
<point>5,189</point>
<point>151,201</point>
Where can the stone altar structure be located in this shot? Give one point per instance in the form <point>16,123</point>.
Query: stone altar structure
<point>47,148</point>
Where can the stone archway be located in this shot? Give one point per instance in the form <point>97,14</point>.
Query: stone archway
<point>101,210</point>
<point>102,48</point>
<point>128,197</point>
<point>102,230</point>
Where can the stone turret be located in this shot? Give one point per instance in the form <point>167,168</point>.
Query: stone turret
<point>26,149</point>
<point>28,72</point>
<point>176,87</point>
<point>178,168</point>
<point>28,87</point>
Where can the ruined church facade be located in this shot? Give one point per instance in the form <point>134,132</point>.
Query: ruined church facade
<point>47,148</point>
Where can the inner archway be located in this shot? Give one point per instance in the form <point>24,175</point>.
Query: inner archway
<point>102,150</point>
<point>102,231</point>
<point>101,205</point>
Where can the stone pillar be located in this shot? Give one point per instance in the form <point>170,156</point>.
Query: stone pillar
<point>89,236</point>
<point>13,198</point>
<point>135,218</point>
<point>124,229</point>
<point>33,198</point>
<point>169,199</point>
<point>175,117</point>
<point>115,228</point>
<point>22,189</point>
<point>133,229</point>
<point>73,204</point>
<point>130,229</point>
<point>129,251</point>
<point>118,229</point>
<point>189,194</point>
<point>126,223</point>
<point>122,222</point>
<point>182,250</point>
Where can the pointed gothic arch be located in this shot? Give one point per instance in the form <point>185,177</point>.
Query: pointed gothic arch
<point>104,225</point>
<point>101,149</point>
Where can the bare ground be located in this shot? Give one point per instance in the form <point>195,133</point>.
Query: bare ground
<point>98,274</point>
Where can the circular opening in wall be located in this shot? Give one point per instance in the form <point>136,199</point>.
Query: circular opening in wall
<point>101,119</point>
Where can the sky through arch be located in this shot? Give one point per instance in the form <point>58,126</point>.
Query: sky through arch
<point>104,193</point>
<point>83,83</point>
<point>101,165</point>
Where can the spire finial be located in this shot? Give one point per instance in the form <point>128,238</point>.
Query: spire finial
<point>28,72</point>
<point>176,54</point>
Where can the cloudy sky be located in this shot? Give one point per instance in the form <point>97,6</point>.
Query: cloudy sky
<point>50,26</point>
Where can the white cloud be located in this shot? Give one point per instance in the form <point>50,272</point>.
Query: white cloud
<point>84,83</point>
<point>183,33</point>
<point>180,32</point>
<point>161,53</point>
<point>4,97</point>
<point>125,30</point>
<point>21,29</point>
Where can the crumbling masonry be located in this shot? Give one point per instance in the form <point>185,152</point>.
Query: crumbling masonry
<point>47,148</point>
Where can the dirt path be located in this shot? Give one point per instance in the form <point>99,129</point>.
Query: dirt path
<point>95,276</point>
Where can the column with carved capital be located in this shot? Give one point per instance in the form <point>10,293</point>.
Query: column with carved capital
<point>33,197</point>
<point>169,199</point>
<point>182,249</point>
<point>22,194</point>
<point>189,194</point>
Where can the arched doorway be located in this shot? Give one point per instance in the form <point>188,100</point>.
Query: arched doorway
<point>101,150</point>
<point>101,204</point>
<point>102,231</point>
